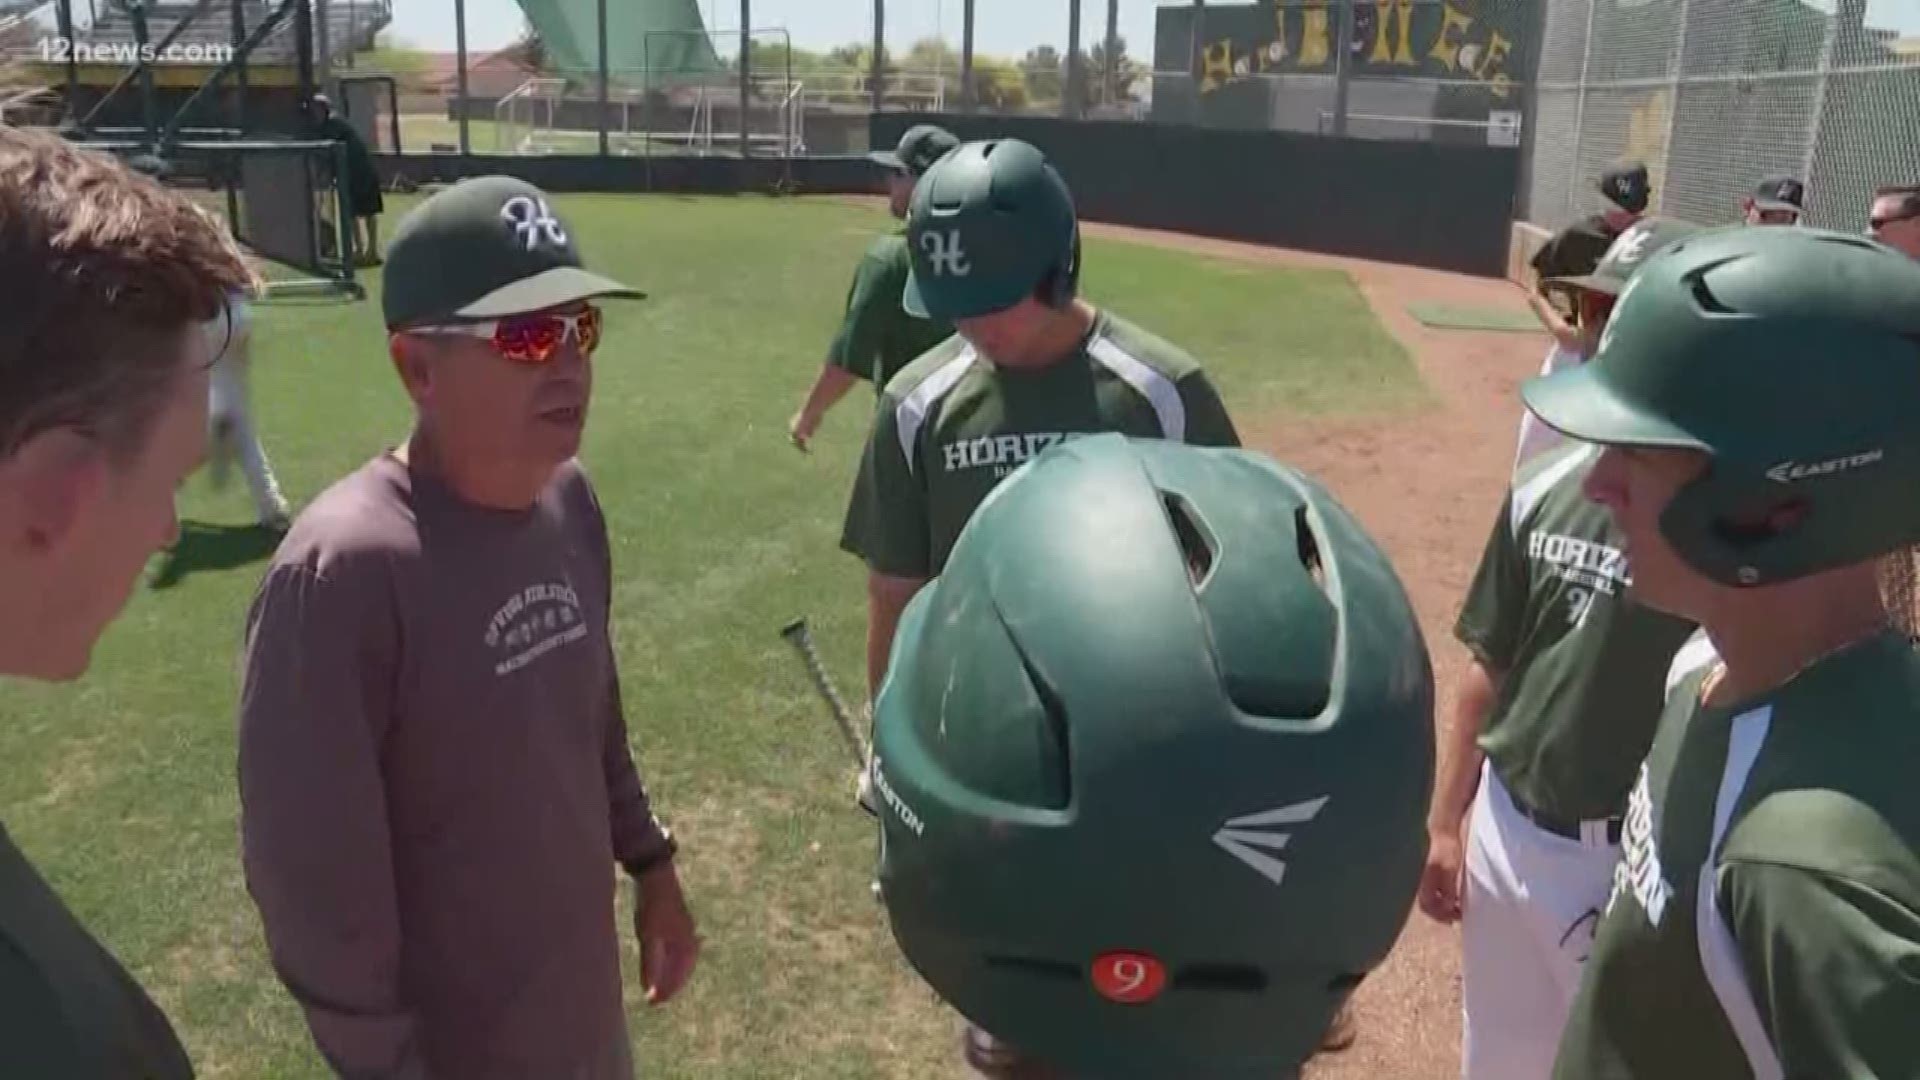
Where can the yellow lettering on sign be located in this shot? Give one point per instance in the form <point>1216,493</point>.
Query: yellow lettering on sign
<point>1314,48</point>
<point>1497,50</point>
<point>1403,54</point>
<point>1216,65</point>
<point>1446,50</point>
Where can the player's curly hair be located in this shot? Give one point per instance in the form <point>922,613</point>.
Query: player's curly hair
<point>104,269</point>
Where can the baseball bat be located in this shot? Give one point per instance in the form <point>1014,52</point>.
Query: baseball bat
<point>800,636</point>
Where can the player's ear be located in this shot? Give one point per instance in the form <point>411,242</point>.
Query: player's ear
<point>47,486</point>
<point>413,361</point>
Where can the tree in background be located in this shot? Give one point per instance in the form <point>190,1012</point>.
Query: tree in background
<point>1126,70</point>
<point>1045,73</point>
<point>999,85</point>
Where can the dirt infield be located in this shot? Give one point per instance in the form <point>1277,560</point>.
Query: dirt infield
<point>1426,486</point>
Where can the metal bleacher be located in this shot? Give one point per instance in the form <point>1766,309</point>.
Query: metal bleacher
<point>102,27</point>
<point>352,26</point>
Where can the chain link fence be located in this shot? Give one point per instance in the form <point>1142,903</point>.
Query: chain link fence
<point>1716,95</point>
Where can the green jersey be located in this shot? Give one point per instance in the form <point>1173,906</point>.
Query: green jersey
<point>1584,664</point>
<point>877,337</point>
<point>953,425</point>
<point>1765,917</point>
<point>67,1008</point>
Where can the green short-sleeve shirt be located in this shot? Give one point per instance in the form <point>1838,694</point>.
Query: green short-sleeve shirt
<point>877,337</point>
<point>952,425</point>
<point>1765,916</point>
<point>1584,663</point>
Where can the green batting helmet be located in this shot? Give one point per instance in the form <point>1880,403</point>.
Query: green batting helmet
<point>1792,358</point>
<point>1627,253</point>
<point>1153,755</point>
<point>990,225</point>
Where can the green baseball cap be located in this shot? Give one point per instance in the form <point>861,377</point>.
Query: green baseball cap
<point>919,148</point>
<point>487,246</point>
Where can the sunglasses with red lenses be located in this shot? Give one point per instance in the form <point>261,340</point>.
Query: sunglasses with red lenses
<point>529,339</point>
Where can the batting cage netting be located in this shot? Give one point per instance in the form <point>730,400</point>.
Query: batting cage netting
<point>1715,95</point>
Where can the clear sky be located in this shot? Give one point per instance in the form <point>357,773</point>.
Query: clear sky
<point>1002,27</point>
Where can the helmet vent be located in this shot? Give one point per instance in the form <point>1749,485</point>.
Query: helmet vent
<point>1751,530</point>
<point>1053,719</point>
<point>1703,295</point>
<point>1309,548</point>
<point>1191,535</point>
<point>1221,979</point>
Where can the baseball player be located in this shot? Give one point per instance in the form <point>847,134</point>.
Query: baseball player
<point>1552,718</point>
<point>877,336</point>
<point>1572,252</point>
<point>995,248</point>
<point>231,435</point>
<point>1777,200</point>
<point>1593,295</point>
<point>1152,756</point>
<point>1755,395</point>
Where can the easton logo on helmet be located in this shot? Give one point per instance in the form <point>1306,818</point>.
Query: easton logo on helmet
<point>1249,838</point>
<point>894,802</point>
<point>944,253</point>
<point>1788,472</point>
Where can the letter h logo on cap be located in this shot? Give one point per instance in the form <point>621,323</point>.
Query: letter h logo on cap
<point>532,220</point>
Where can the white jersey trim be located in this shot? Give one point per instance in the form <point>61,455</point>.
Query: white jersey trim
<point>1528,495</point>
<point>911,413</point>
<point>1719,954</point>
<point>1159,390</point>
<point>1696,654</point>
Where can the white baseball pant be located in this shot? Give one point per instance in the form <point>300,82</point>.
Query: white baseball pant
<point>1533,900</point>
<point>1536,437</point>
<point>231,435</point>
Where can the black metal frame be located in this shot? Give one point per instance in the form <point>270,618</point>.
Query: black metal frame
<point>159,137</point>
<point>393,102</point>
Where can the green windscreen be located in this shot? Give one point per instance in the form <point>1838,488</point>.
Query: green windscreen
<point>650,43</point>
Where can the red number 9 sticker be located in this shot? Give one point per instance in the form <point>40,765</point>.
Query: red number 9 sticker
<point>1129,978</point>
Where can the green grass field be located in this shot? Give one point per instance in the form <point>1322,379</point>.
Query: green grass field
<point>121,787</point>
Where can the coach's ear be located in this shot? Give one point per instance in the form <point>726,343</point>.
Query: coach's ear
<point>413,362</point>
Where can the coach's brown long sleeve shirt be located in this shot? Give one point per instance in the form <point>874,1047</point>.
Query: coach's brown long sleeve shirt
<point>435,780</point>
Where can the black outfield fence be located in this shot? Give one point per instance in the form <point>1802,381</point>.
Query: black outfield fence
<point>1439,205</point>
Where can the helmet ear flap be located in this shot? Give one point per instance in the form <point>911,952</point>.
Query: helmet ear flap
<point>1740,532</point>
<point>1061,283</point>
